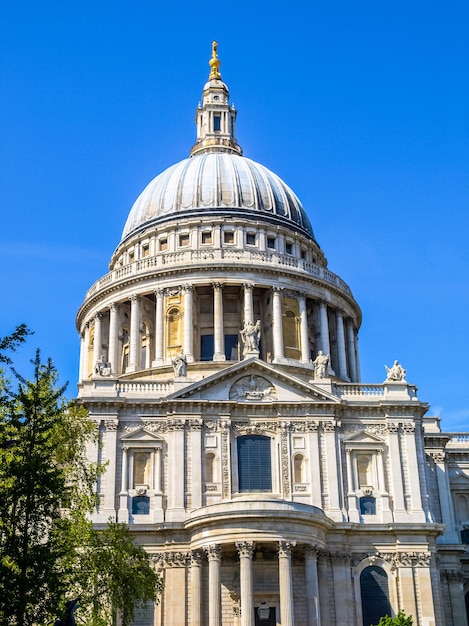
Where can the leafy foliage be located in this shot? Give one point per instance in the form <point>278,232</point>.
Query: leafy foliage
<point>400,620</point>
<point>49,551</point>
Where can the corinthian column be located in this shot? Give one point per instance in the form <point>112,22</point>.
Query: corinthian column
<point>245,551</point>
<point>113,337</point>
<point>286,582</point>
<point>312,588</point>
<point>352,358</point>
<point>341,346</point>
<point>304,329</point>
<point>98,339</point>
<point>214,590</point>
<point>159,327</point>
<point>196,589</point>
<point>218,336</point>
<point>188,327</point>
<point>248,305</point>
<point>134,333</point>
<point>324,328</point>
<point>277,324</point>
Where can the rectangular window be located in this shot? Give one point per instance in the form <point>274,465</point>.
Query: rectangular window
<point>229,236</point>
<point>207,237</point>
<point>206,347</point>
<point>288,248</point>
<point>184,239</point>
<point>254,463</point>
<point>145,251</point>
<point>163,244</point>
<point>250,239</point>
<point>216,122</point>
<point>231,347</point>
<point>271,243</point>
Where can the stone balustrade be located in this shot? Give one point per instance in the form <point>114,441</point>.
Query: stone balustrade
<point>193,257</point>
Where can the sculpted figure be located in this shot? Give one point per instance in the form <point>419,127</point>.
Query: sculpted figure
<point>396,372</point>
<point>102,367</point>
<point>251,335</point>
<point>321,363</point>
<point>180,364</point>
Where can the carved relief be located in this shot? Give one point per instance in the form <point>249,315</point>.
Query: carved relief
<point>245,548</point>
<point>225,463</point>
<point>285,463</point>
<point>253,389</point>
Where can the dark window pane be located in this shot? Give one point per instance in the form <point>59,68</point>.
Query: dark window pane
<point>231,347</point>
<point>254,463</point>
<point>216,122</point>
<point>368,505</point>
<point>374,595</point>
<point>206,347</point>
<point>141,505</point>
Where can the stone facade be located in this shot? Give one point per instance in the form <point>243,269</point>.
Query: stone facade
<point>219,358</point>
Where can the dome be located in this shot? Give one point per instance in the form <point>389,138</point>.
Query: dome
<point>214,183</point>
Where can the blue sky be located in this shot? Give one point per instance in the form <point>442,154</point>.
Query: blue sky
<point>362,108</point>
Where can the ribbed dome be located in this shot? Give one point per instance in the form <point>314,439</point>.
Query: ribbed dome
<point>216,182</point>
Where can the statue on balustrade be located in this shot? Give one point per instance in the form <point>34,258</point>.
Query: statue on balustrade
<point>180,364</point>
<point>321,363</point>
<point>102,367</point>
<point>251,335</point>
<point>396,373</point>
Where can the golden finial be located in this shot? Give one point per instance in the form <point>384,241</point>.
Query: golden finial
<point>214,63</point>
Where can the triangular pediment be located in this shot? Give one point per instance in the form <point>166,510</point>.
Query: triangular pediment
<point>140,436</point>
<point>362,439</point>
<point>459,478</point>
<point>254,381</point>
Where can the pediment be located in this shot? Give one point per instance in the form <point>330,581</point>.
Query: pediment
<point>363,439</point>
<point>140,436</point>
<point>254,381</point>
<point>459,478</point>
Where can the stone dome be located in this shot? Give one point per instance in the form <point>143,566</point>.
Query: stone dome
<point>215,182</point>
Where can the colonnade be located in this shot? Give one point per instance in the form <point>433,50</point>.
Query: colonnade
<point>245,551</point>
<point>345,357</point>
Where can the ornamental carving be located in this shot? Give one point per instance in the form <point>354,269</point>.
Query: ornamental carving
<point>328,427</point>
<point>372,429</point>
<point>438,457</point>
<point>177,559</point>
<point>408,428</point>
<point>245,548</point>
<point>196,424</point>
<point>406,559</point>
<point>225,464</point>
<point>175,425</point>
<point>304,427</point>
<point>284,548</point>
<point>196,557</point>
<point>253,389</point>
<point>452,576</point>
<point>285,464</point>
<point>110,425</point>
<point>213,552</point>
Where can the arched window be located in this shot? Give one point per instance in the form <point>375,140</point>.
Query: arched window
<point>209,467</point>
<point>298,468</point>
<point>374,591</point>
<point>254,463</point>
<point>142,468</point>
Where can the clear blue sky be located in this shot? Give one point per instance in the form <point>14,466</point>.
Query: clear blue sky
<point>361,107</point>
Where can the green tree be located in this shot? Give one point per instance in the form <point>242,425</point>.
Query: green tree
<point>400,620</point>
<point>49,551</point>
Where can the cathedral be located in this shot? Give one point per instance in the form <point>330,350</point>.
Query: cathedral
<point>220,360</point>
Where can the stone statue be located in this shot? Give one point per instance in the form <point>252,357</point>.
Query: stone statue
<point>321,363</point>
<point>102,367</point>
<point>396,372</point>
<point>180,364</point>
<point>251,335</point>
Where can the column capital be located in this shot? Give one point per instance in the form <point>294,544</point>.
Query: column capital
<point>98,316</point>
<point>311,552</point>
<point>187,288</point>
<point>213,552</point>
<point>245,548</point>
<point>159,293</point>
<point>134,298</point>
<point>217,286</point>
<point>196,557</point>
<point>113,306</point>
<point>277,289</point>
<point>248,286</point>
<point>284,548</point>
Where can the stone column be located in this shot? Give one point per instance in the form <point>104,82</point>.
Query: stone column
<point>218,334</point>
<point>245,551</point>
<point>196,465</point>
<point>324,328</point>
<point>444,492</point>
<point>214,589</point>
<point>134,333</point>
<point>324,600</point>
<point>351,351</point>
<point>287,615</point>
<point>312,587</point>
<point>413,469</point>
<point>456,592</point>
<point>123,514</point>
<point>342,576</point>
<point>113,357</point>
<point>159,328</point>
<point>188,325</point>
<point>351,492</point>
<point>108,478</point>
<point>248,303</point>
<point>400,513</point>
<point>83,347</point>
<point>98,339</point>
<point>277,328</point>
<point>305,356</point>
<point>158,470</point>
<point>386,515</point>
<point>176,471</point>
<point>333,465</point>
<point>196,588</point>
<point>341,346</point>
